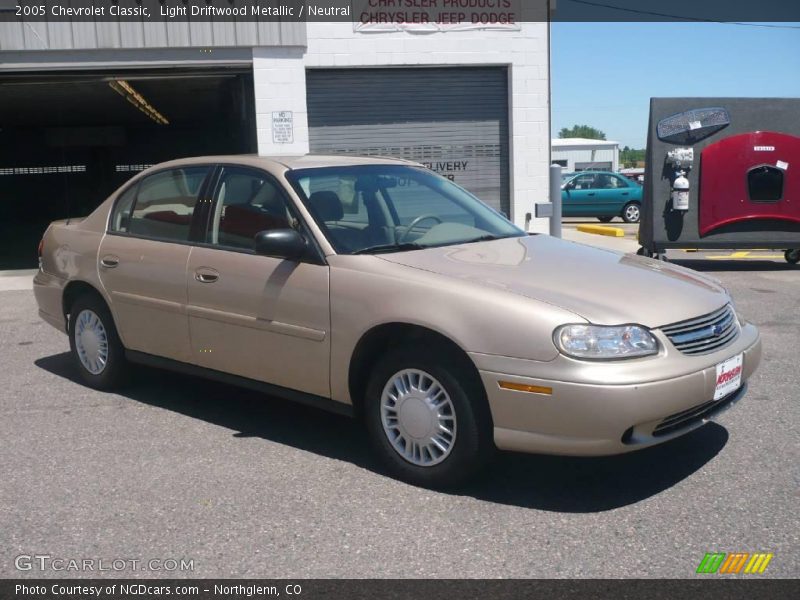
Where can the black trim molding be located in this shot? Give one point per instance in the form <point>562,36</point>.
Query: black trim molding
<point>269,389</point>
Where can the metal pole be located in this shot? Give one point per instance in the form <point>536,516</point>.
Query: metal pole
<point>555,200</point>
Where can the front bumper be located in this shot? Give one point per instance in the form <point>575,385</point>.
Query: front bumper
<point>599,409</point>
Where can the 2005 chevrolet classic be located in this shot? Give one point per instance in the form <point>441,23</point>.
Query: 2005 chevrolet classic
<point>376,288</point>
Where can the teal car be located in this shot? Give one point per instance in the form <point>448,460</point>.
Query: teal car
<point>601,194</point>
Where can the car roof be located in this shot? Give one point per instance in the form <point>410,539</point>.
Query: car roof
<point>278,163</point>
<point>591,172</point>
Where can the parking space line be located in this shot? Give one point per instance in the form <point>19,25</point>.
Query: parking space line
<point>745,255</point>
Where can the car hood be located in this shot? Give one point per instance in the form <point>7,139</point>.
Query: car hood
<point>602,286</point>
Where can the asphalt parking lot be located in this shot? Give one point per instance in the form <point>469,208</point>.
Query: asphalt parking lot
<point>245,486</point>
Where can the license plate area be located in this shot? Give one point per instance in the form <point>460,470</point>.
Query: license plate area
<point>729,376</point>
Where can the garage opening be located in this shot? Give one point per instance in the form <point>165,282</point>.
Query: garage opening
<point>68,140</point>
<point>453,120</point>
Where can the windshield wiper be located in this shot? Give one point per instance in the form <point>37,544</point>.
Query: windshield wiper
<point>389,248</point>
<point>486,238</point>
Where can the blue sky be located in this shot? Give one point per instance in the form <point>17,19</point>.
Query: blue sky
<point>604,74</point>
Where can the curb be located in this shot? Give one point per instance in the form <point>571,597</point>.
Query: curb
<point>601,230</point>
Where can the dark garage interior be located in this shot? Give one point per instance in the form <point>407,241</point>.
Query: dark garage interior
<point>68,141</point>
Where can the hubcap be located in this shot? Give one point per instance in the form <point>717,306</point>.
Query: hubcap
<point>633,213</point>
<point>91,341</point>
<point>418,417</point>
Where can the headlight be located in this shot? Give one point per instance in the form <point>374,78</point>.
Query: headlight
<point>599,342</point>
<point>739,316</point>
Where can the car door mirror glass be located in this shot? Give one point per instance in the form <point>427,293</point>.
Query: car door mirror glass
<point>280,243</point>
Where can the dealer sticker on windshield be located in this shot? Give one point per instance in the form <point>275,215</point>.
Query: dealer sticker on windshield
<point>729,377</point>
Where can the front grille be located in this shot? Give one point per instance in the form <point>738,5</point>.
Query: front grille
<point>704,334</point>
<point>685,418</point>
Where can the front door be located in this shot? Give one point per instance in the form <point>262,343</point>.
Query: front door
<point>255,316</point>
<point>142,260</point>
<point>577,197</point>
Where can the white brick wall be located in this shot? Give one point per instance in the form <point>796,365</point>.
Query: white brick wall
<point>280,85</point>
<point>279,78</point>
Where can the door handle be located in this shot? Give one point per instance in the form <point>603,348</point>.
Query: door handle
<point>624,193</point>
<point>590,194</point>
<point>205,276</point>
<point>109,262</point>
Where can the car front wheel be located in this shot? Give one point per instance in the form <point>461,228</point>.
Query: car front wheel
<point>427,418</point>
<point>631,213</point>
<point>96,347</point>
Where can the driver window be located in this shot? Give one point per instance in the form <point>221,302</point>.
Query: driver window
<point>411,199</point>
<point>246,202</point>
<point>584,182</point>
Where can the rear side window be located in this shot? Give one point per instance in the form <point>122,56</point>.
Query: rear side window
<point>606,182</point>
<point>164,204</point>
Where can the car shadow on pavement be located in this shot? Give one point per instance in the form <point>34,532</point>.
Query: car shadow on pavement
<point>700,264</point>
<point>596,484</point>
<point>558,484</point>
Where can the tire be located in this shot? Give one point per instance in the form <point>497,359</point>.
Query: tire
<point>792,256</point>
<point>92,335</point>
<point>462,408</point>
<point>605,219</point>
<point>631,212</point>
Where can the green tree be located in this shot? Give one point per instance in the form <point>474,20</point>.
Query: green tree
<point>581,131</point>
<point>628,157</point>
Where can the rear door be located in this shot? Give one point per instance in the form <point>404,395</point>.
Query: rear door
<point>143,257</point>
<point>258,317</point>
<point>611,194</point>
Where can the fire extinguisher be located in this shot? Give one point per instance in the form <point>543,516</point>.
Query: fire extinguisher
<point>680,192</point>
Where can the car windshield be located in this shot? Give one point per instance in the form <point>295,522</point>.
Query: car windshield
<point>394,208</point>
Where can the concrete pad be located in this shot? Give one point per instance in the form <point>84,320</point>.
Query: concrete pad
<point>11,281</point>
<point>620,244</point>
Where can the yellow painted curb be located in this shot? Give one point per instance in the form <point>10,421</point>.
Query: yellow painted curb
<point>602,230</point>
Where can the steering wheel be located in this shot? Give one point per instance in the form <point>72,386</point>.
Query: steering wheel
<point>416,222</point>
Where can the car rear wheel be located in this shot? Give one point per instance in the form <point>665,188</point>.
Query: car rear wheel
<point>96,347</point>
<point>605,219</point>
<point>631,213</point>
<point>427,418</point>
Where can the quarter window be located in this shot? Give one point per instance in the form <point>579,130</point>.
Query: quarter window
<point>121,217</point>
<point>165,203</point>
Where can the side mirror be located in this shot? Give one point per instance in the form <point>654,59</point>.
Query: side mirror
<point>280,243</point>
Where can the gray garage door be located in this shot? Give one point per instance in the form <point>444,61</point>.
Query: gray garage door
<point>453,120</point>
